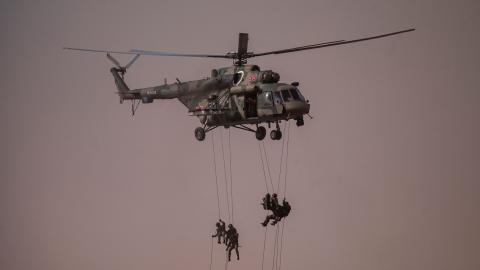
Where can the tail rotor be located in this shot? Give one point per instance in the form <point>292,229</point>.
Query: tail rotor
<point>118,73</point>
<point>122,69</point>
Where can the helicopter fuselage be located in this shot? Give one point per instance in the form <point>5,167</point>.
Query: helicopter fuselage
<point>235,95</point>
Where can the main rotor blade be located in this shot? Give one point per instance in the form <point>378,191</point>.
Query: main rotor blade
<point>154,53</point>
<point>97,51</point>
<point>162,53</point>
<point>327,44</point>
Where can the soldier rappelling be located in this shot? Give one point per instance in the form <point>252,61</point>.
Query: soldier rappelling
<point>278,211</point>
<point>232,241</point>
<point>221,232</point>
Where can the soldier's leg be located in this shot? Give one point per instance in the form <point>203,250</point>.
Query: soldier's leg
<point>229,252</point>
<point>236,250</point>
<point>276,220</point>
<point>267,219</point>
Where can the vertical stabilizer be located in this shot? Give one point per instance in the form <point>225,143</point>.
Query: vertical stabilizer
<point>119,82</point>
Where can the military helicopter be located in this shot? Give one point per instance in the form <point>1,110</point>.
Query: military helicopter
<point>234,96</point>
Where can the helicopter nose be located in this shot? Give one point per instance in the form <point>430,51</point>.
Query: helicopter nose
<point>297,107</point>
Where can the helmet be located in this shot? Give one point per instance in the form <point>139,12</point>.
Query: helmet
<point>274,195</point>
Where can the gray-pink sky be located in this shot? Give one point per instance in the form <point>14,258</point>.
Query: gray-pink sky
<point>385,176</point>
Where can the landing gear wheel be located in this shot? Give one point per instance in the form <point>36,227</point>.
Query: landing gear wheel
<point>279,134</point>
<point>275,134</point>
<point>260,133</point>
<point>200,133</point>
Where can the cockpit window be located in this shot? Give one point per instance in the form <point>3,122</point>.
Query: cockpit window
<point>295,94</point>
<point>286,95</point>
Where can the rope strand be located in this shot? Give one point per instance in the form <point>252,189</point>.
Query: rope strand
<point>211,254</point>
<point>281,160</point>
<point>225,177</point>
<point>268,166</point>
<point>263,166</point>
<point>286,162</point>
<point>281,246</point>
<point>231,177</point>
<point>275,248</point>
<point>216,177</point>
<point>264,245</point>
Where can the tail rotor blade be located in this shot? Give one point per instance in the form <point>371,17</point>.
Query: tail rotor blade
<point>114,61</point>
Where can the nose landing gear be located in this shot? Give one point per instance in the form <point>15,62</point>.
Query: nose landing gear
<point>276,134</point>
<point>200,133</point>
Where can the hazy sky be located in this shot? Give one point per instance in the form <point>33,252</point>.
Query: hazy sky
<point>385,176</point>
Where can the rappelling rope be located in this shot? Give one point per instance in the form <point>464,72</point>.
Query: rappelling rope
<point>226,260</point>
<point>281,245</point>
<point>275,249</point>
<point>264,246</point>
<point>263,166</point>
<point>225,177</point>
<point>231,177</point>
<point>229,197</point>
<point>260,151</point>
<point>278,244</point>
<point>263,152</point>
<point>281,160</point>
<point>216,177</point>
<point>286,162</point>
<point>279,234</point>
<point>284,195</point>
<point>268,165</point>
<point>211,254</point>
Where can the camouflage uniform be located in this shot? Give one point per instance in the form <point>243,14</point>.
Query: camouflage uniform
<point>278,213</point>
<point>220,231</point>
<point>232,241</point>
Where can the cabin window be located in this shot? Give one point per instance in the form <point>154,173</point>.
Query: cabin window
<point>295,94</point>
<point>286,95</point>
